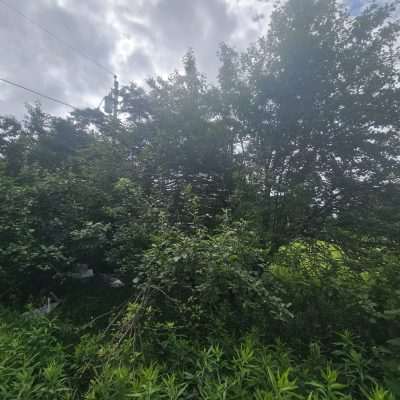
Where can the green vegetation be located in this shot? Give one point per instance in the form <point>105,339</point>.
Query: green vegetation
<point>252,227</point>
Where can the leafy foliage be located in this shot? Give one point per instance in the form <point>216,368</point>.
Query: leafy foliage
<point>254,224</point>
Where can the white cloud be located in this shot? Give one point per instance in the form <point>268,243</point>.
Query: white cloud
<point>136,38</point>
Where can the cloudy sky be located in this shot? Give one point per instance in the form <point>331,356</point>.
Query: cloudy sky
<point>135,38</point>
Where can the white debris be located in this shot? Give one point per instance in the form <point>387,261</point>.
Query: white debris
<point>82,272</point>
<point>52,302</point>
<point>112,281</point>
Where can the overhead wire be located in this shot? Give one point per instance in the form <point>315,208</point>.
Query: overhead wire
<point>64,42</point>
<point>37,93</point>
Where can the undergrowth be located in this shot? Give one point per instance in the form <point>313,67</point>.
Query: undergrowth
<point>39,361</point>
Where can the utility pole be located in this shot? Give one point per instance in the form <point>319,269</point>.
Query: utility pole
<point>115,96</point>
<point>111,100</point>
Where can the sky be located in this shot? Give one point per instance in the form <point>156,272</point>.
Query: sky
<point>136,39</point>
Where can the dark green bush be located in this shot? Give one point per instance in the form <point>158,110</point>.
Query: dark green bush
<point>212,283</point>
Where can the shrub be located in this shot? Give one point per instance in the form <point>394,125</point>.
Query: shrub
<point>211,283</point>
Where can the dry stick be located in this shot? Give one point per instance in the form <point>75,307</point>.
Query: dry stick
<point>142,299</point>
<point>165,294</point>
<point>117,316</point>
<point>131,327</point>
<point>120,307</point>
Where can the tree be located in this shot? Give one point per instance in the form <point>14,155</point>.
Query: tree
<point>319,99</point>
<point>11,145</point>
<point>179,138</point>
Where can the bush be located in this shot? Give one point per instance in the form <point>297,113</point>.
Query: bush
<point>211,283</point>
<point>327,295</point>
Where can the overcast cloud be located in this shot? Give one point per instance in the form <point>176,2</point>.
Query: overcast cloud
<point>135,38</point>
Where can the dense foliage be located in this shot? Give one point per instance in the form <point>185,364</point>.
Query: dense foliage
<point>254,223</point>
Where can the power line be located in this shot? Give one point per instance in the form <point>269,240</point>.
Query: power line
<point>64,42</point>
<point>37,93</point>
